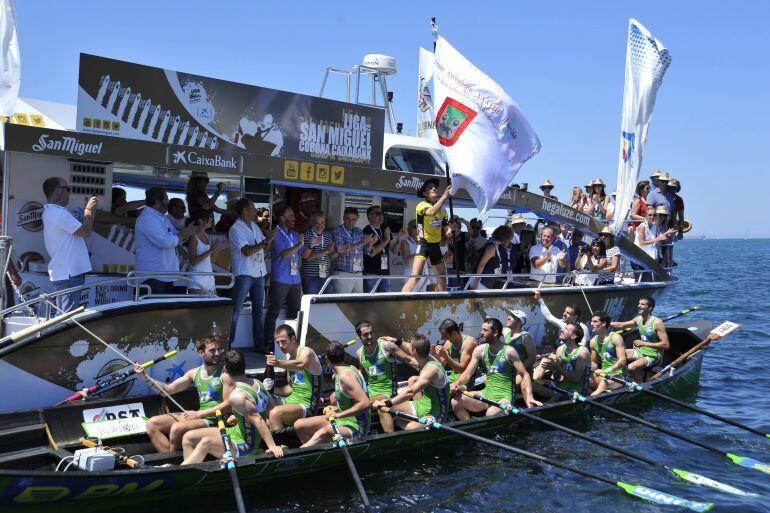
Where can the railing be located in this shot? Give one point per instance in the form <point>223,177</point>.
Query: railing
<point>133,279</point>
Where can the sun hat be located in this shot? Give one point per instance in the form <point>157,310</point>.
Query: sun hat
<point>547,183</point>
<point>426,184</point>
<point>521,316</point>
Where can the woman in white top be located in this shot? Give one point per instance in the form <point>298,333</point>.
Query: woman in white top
<point>647,235</point>
<point>201,250</point>
<point>589,263</point>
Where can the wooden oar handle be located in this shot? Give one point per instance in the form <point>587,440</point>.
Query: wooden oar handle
<point>676,363</point>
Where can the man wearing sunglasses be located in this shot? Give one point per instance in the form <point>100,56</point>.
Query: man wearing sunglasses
<point>65,241</point>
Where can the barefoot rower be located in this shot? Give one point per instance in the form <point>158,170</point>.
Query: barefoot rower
<point>456,350</point>
<point>501,363</point>
<point>250,405</point>
<point>303,392</point>
<point>166,431</point>
<point>351,413</point>
<point>516,337</point>
<point>653,339</point>
<point>608,353</point>
<point>378,360</point>
<point>569,366</point>
<point>428,394</point>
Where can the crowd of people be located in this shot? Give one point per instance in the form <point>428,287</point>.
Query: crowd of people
<point>460,373</point>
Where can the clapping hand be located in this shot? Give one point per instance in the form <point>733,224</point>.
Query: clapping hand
<point>401,235</point>
<point>562,255</point>
<point>301,239</point>
<point>387,235</point>
<point>316,241</point>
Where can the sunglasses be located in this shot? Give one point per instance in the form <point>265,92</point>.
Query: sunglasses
<point>65,187</point>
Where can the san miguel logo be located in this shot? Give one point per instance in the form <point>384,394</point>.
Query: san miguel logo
<point>451,121</point>
<point>30,216</point>
<point>628,145</point>
<point>66,144</point>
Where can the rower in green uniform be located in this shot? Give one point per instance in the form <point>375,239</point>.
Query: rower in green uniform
<point>251,404</point>
<point>501,363</point>
<point>378,360</point>
<point>427,395</point>
<point>569,366</point>
<point>608,351</point>
<point>653,339</point>
<point>166,431</point>
<point>351,411</point>
<point>517,337</point>
<point>303,392</point>
<point>456,350</point>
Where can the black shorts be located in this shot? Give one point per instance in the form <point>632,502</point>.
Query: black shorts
<point>431,251</point>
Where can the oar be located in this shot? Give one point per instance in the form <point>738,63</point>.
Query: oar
<point>639,388</point>
<point>664,319</point>
<point>720,331</point>
<point>340,442</point>
<point>683,474</point>
<point>114,379</point>
<point>642,492</point>
<point>230,464</point>
<point>739,460</point>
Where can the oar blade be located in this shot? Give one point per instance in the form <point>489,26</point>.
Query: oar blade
<point>743,461</point>
<point>665,499</point>
<point>698,479</point>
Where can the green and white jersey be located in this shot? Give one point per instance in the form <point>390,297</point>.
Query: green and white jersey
<point>305,387</point>
<point>647,334</point>
<point>500,374</point>
<point>380,371</point>
<point>606,352</point>
<point>569,362</point>
<point>209,389</point>
<point>244,434</point>
<point>359,425</point>
<point>435,399</point>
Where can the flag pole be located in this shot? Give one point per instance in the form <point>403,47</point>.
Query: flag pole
<point>451,205</point>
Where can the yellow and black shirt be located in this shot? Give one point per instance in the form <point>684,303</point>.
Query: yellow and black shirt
<point>429,227</point>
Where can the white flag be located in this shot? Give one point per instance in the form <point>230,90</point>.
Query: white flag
<point>10,61</point>
<point>646,63</point>
<point>426,119</point>
<point>485,136</point>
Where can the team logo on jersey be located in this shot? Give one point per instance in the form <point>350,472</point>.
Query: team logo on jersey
<point>451,121</point>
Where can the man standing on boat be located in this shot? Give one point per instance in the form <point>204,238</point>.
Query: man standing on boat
<point>501,363</point>
<point>608,352</point>
<point>351,412</point>
<point>546,258</point>
<point>250,404</point>
<point>569,366</point>
<point>303,392</point>
<point>65,241</point>
<point>427,395</point>
<point>378,359</point>
<point>516,337</point>
<point>653,339</point>
<point>433,230</point>
<point>166,431</point>
<point>350,242</point>
<point>377,258</point>
<point>571,314</point>
<point>456,350</point>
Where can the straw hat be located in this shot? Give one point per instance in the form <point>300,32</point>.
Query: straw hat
<point>547,183</point>
<point>674,183</point>
<point>686,225</point>
<point>615,192</point>
<point>517,219</point>
<point>661,209</point>
<point>663,177</point>
<point>607,229</point>
<point>590,183</point>
<point>598,181</point>
<point>426,184</point>
<point>656,173</point>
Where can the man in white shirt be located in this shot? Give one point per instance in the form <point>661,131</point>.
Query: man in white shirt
<point>546,258</point>
<point>247,256</point>
<point>156,241</point>
<point>65,241</point>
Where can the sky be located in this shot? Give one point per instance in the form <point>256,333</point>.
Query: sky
<point>563,63</point>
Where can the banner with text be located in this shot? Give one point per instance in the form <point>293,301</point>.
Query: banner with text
<point>141,102</point>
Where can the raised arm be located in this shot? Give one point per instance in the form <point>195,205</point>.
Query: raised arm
<point>621,325</point>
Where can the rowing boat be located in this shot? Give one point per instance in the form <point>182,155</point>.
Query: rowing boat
<point>34,442</point>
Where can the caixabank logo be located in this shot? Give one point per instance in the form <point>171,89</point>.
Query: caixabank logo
<point>451,121</point>
<point>182,157</point>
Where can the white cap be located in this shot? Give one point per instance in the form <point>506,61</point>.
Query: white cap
<point>521,316</point>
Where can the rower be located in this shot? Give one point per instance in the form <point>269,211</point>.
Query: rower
<point>378,360</point>
<point>653,339</point>
<point>250,404</point>
<point>455,352</point>
<point>516,337</point>
<point>428,394</point>
<point>501,362</point>
<point>569,366</point>
<point>303,392</point>
<point>166,431</point>
<point>571,313</point>
<point>608,351</point>
<point>351,413</point>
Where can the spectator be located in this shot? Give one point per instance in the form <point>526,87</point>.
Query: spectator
<point>227,220</point>
<point>518,224</point>
<point>612,254</point>
<point>65,241</point>
<point>648,237</point>
<point>350,241</point>
<point>285,286</point>
<point>248,246</point>
<point>200,250</point>
<point>577,198</point>
<point>175,214</point>
<point>377,257</point>
<point>586,205</point>
<point>589,263</point>
<point>263,220</point>
<point>121,207</point>
<point>460,239</point>
<point>528,240</point>
<point>599,199</point>
<point>308,203</point>
<point>662,195</point>
<point>609,208</point>
<point>544,258</point>
<point>547,187</point>
<point>317,254</point>
<point>678,215</point>
<point>156,241</point>
<point>500,256</point>
<point>638,213</point>
<point>665,247</point>
<point>475,242</point>
<point>654,179</point>
<point>198,199</point>
<point>576,246</point>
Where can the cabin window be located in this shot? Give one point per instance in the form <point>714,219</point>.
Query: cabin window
<point>88,179</point>
<point>414,161</point>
